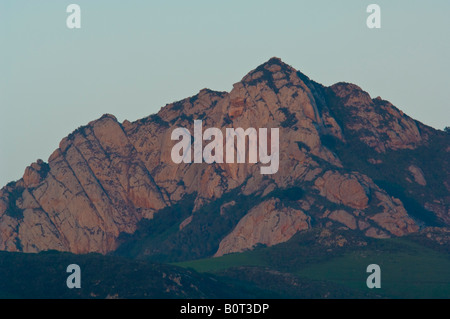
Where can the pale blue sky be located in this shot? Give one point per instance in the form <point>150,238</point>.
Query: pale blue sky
<point>130,58</point>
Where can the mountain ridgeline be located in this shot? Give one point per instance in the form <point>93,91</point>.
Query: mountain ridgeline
<point>346,162</point>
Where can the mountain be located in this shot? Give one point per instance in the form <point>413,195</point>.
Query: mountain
<point>346,162</point>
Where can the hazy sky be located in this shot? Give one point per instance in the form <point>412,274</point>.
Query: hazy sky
<point>130,58</point>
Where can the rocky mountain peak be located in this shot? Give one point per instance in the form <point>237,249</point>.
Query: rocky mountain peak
<point>335,172</point>
<point>268,69</point>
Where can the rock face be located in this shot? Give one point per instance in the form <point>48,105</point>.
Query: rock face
<point>342,148</point>
<point>343,189</point>
<point>344,218</point>
<point>269,223</point>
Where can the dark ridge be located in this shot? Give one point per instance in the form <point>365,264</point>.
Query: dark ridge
<point>11,184</point>
<point>304,78</point>
<point>154,118</point>
<point>182,117</point>
<point>161,240</point>
<point>157,119</point>
<point>80,130</point>
<point>176,106</point>
<point>179,105</point>
<point>316,89</point>
<point>156,229</point>
<point>220,93</point>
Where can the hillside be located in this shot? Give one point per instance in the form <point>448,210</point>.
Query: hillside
<point>340,162</point>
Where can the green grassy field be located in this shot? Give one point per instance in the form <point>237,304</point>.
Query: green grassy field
<point>408,269</point>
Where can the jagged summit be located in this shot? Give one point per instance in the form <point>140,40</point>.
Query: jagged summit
<point>273,74</point>
<point>275,65</point>
<point>276,61</point>
<point>268,69</point>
